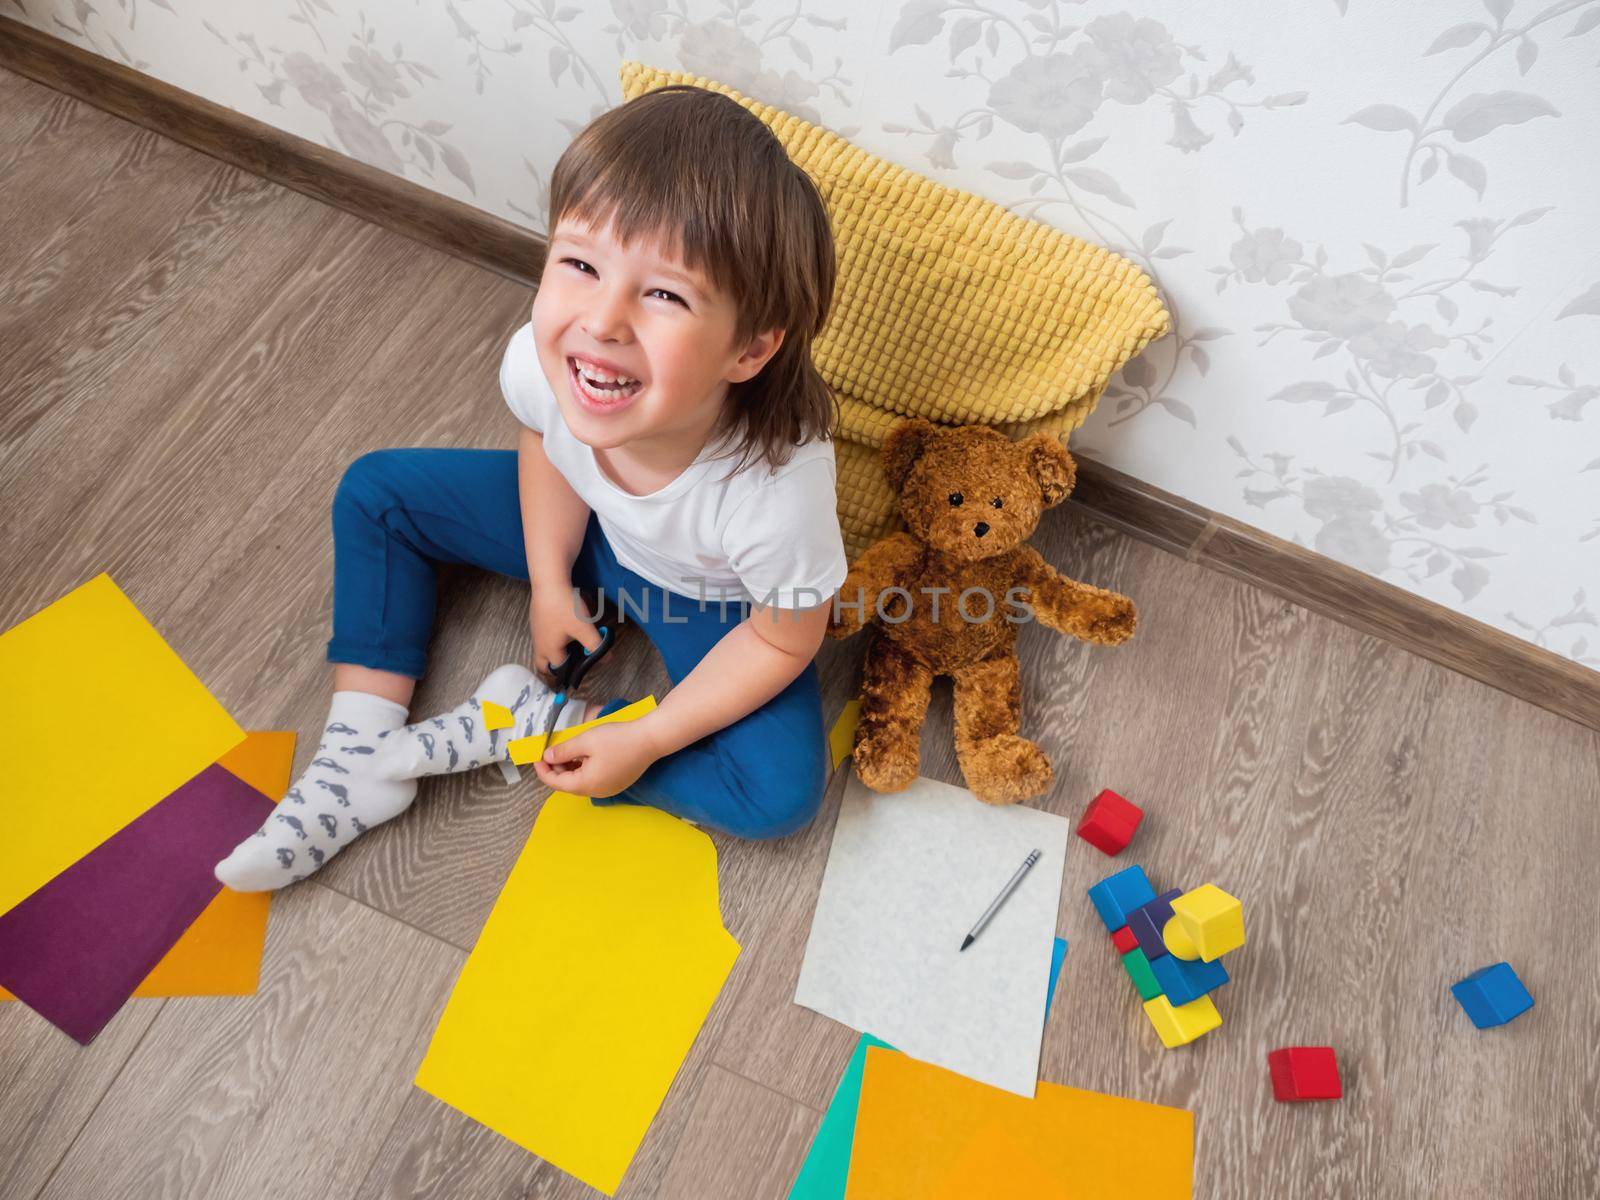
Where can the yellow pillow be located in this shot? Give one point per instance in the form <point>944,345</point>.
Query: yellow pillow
<point>947,307</point>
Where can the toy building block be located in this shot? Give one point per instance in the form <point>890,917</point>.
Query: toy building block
<point>1183,980</point>
<point>1148,920</point>
<point>1492,996</point>
<point>1124,940</point>
<point>1206,924</point>
<point>1138,968</point>
<point>496,716</point>
<point>1110,822</point>
<point>1178,1025</point>
<point>1118,895</point>
<point>1304,1073</point>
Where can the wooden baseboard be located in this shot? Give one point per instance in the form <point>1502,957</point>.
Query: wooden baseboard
<point>1320,584</point>
<point>367,192</point>
<point>1343,593</point>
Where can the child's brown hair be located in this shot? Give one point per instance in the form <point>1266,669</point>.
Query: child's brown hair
<point>706,177</point>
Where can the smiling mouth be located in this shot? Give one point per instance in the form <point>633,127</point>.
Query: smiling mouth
<point>600,393</point>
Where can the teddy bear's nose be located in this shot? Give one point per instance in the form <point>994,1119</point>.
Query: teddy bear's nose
<point>981,528</point>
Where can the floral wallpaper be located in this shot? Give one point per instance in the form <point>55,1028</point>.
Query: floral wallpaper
<point>1375,225</point>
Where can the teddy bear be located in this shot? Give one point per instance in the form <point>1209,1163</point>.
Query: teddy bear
<point>945,597</point>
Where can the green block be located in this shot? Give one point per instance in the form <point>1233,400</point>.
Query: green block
<point>1143,977</point>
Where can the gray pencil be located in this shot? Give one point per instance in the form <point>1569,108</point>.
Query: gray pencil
<point>1033,857</point>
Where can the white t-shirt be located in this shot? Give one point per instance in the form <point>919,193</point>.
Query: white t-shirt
<point>765,535</point>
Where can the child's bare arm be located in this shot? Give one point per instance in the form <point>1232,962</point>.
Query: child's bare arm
<point>752,663</point>
<point>553,521</point>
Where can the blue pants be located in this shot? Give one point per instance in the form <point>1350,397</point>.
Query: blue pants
<point>397,514</point>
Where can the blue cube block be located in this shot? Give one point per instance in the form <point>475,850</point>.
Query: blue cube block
<point>1183,980</point>
<point>1147,921</point>
<point>1492,996</point>
<point>1116,896</point>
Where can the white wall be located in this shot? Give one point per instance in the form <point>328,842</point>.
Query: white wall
<point>1375,223</point>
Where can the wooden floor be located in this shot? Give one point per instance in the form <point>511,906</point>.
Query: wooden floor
<point>188,358</point>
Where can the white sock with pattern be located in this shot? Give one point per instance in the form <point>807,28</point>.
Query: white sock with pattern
<point>366,772</point>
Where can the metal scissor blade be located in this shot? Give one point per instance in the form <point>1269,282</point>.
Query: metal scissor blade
<point>556,705</point>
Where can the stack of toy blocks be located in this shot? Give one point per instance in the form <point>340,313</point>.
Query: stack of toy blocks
<point>1171,945</point>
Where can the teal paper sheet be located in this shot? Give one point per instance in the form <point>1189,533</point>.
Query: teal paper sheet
<point>823,1174</point>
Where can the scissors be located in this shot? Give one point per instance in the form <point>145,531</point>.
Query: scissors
<point>571,672</point>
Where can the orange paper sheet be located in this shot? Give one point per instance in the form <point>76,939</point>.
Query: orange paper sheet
<point>924,1133</point>
<point>220,954</point>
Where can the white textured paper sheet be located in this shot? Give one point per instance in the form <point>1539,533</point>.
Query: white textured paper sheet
<point>908,875</point>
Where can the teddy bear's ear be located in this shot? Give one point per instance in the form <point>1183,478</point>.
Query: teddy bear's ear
<point>904,445</point>
<point>1051,465</point>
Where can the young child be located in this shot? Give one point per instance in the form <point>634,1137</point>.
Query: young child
<point>673,456</point>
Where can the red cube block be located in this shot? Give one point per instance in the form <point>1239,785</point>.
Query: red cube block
<point>1124,940</point>
<point>1304,1073</point>
<point>1109,823</point>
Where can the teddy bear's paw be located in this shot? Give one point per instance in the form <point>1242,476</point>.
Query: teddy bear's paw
<point>1005,768</point>
<point>887,762</point>
<point>1114,622</point>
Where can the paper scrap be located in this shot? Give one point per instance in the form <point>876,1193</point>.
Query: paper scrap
<point>508,771</point>
<point>496,716</point>
<point>157,728</point>
<point>587,986</point>
<point>76,949</point>
<point>908,875</point>
<point>526,750</point>
<point>827,1165</point>
<point>842,738</point>
<point>924,1133</point>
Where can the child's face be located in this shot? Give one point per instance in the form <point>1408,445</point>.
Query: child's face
<point>647,317</point>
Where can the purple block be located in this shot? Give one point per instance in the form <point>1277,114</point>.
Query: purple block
<point>75,949</point>
<point>1147,922</point>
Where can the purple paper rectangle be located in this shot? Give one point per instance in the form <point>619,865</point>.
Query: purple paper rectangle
<point>75,949</point>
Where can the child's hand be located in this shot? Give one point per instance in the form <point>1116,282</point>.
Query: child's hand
<point>554,620</point>
<point>599,761</point>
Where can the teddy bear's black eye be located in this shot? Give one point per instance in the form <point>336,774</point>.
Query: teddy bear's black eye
<point>955,498</point>
<point>996,502</point>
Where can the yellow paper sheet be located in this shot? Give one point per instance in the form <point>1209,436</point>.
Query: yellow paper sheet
<point>529,749</point>
<point>155,727</point>
<point>220,954</point>
<point>587,986</point>
<point>924,1133</point>
<point>842,739</point>
<point>496,716</point>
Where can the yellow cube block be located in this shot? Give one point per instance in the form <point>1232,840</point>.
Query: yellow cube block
<point>1181,1024</point>
<point>1206,923</point>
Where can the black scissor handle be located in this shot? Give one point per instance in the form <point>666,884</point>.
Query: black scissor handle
<point>578,660</point>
